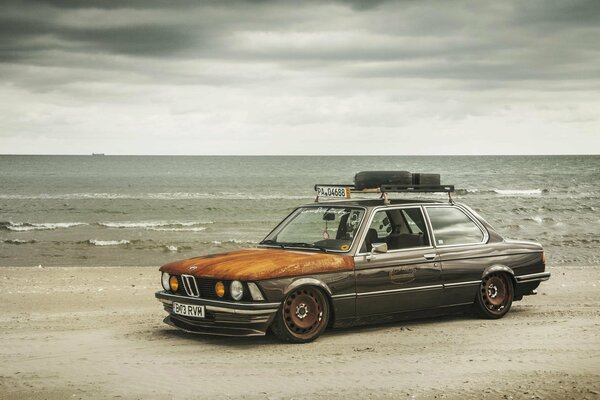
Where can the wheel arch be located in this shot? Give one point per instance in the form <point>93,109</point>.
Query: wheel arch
<point>500,268</point>
<point>307,282</point>
<point>319,284</point>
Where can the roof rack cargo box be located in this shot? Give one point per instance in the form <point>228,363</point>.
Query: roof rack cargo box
<point>374,179</point>
<point>426,179</point>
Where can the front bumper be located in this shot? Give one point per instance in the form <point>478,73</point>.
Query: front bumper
<point>224,318</point>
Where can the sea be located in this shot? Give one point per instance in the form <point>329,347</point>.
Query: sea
<point>102,210</point>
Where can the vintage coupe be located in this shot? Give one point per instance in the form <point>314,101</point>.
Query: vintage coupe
<point>349,261</point>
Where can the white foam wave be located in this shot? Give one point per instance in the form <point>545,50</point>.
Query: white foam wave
<point>96,242</point>
<point>157,225</point>
<point>153,224</point>
<point>518,192</point>
<point>64,196</point>
<point>232,241</point>
<point>17,241</point>
<point>154,196</point>
<point>26,226</point>
<point>467,191</point>
<point>537,219</point>
<point>196,229</point>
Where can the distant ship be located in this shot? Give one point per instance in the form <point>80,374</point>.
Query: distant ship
<point>97,154</point>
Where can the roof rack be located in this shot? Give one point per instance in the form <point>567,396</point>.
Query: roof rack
<point>344,190</point>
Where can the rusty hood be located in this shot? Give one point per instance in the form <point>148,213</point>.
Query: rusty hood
<point>257,264</point>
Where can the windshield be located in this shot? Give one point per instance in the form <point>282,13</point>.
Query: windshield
<point>321,228</point>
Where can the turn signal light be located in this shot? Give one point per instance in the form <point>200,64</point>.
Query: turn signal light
<point>220,289</point>
<point>543,258</point>
<point>174,283</point>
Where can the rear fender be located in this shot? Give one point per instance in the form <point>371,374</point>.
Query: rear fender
<point>500,268</point>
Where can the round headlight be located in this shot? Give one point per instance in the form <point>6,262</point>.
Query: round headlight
<point>220,289</point>
<point>173,283</point>
<point>165,281</point>
<point>237,290</point>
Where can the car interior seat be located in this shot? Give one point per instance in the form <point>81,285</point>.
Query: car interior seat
<point>371,238</point>
<point>404,240</point>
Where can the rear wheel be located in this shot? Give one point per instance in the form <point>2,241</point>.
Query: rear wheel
<point>495,295</point>
<point>303,316</point>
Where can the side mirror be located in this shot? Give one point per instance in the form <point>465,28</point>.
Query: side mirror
<point>378,248</point>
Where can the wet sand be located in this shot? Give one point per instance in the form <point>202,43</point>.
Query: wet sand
<point>98,333</point>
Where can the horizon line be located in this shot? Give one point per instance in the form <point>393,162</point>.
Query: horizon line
<point>298,155</point>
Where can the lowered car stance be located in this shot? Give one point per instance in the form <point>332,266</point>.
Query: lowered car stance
<point>343,261</point>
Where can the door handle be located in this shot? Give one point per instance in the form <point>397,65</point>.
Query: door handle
<point>430,256</point>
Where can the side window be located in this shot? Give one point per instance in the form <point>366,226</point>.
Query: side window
<point>381,223</point>
<point>378,231</point>
<point>414,219</point>
<point>452,226</point>
<point>409,229</point>
<point>400,228</point>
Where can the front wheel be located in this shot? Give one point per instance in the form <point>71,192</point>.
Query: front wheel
<point>495,296</point>
<point>303,316</point>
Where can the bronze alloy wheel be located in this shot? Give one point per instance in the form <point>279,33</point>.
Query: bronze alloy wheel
<point>495,296</point>
<point>303,316</point>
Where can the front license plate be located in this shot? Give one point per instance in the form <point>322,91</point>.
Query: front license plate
<point>188,310</point>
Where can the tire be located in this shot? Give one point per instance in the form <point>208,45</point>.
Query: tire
<point>303,316</point>
<point>374,179</point>
<point>495,296</point>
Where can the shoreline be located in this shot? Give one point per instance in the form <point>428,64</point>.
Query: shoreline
<point>97,332</point>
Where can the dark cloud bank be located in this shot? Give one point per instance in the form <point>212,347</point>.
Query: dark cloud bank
<point>238,77</point>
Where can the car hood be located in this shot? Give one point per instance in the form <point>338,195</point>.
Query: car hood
<point>258,264</point>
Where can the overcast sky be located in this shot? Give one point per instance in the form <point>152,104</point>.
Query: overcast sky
<point>315,77</point>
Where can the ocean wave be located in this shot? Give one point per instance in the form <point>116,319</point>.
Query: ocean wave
<point>175,249</point>
<point>512,226</point>
<point>463,192</point>
<point>231,241</point>
<point>17,241</point>
<point>26,226</point>
<point>158,225</point>
<point>504,192</point>
<point>520,192</point>
<point>156,196</point>
<point>541,220</point>
<point>97,242</point>
<point>196,229</point>
<point>222,196</point>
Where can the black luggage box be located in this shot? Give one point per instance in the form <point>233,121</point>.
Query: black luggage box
<point>374,179</point>
<point>426,179</point>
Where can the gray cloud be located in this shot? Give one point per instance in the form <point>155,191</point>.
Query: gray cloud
<point>270,66</point>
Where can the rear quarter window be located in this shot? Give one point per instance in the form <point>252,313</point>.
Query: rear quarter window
<point>451,226</point>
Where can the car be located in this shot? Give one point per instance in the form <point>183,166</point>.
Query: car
<point>342,261</point>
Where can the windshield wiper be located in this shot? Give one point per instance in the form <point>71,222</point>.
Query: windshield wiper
<point>304,245</point>
<point>272,243</point>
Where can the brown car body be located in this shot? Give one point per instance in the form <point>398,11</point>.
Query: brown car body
<point>359,286</point>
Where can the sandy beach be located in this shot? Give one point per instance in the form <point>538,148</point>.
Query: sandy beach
<point>97,333</point>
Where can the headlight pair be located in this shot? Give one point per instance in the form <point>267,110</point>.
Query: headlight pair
<point>236,288</point>
<point>169,282</point>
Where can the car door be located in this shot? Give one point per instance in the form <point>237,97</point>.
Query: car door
<point>460,241</point>
<point>405,278</point>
